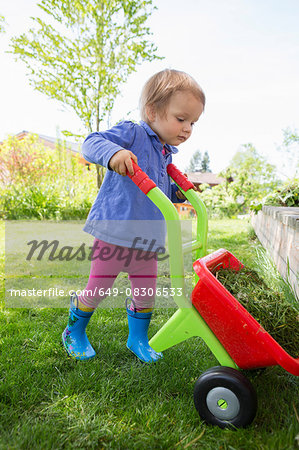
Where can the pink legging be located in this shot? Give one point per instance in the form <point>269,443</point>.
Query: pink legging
<point>108,261</point>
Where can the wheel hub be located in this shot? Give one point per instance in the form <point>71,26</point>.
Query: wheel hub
<point>223,403</point>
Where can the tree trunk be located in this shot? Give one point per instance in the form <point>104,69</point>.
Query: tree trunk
<point>99,175</point>
<point>100,171</point>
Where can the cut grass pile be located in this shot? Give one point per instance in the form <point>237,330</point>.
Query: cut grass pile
<point>267,305</point>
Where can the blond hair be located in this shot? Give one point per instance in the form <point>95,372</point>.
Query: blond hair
<point>161,86</point>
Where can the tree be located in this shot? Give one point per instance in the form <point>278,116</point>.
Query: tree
<point>290,136</point>
<point>252,165</point>
<point>195,162</point>
<point>253,177</point>
<point>249,177</point>
<point>85,51</point>
<point>199,163</point>
<point>290,151</point>
<point>2,21</point>
<point>205,163</point>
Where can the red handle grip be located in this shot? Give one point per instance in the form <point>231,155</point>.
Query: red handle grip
<point>179,177</point>
<point>141,179</point>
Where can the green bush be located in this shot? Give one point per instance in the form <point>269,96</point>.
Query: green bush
<point>41,183</point>
<point>24,202</point>
<point>286,195</point>
<point>220,202</point>
<point>43,202</point>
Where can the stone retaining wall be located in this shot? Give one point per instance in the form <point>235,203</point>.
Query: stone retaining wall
<point>278,231</point>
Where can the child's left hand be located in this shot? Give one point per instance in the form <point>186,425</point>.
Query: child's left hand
<point>180,194</point>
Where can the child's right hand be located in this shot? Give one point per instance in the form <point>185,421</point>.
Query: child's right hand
<point>121,162</point>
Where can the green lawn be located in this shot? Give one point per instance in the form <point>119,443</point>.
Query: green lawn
<point>50,401</point>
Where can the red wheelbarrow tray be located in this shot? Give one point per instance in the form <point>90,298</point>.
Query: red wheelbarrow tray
<point>245,341</point>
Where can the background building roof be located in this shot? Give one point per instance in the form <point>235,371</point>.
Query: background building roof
<point>50,141</point>
<point>205,177</point>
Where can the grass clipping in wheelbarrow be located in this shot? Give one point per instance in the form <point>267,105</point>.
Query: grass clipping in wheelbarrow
<point>269,307</point>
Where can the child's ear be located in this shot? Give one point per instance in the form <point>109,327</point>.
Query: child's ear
<point>150,112</point>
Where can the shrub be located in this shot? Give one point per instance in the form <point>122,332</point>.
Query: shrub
<point>42,183</point>
<point>26,161</point>
<point>219,202</point>
<point>286,195</point>
<point>24,202</point>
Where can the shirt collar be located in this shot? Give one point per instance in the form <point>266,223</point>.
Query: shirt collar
<point>150,132</point>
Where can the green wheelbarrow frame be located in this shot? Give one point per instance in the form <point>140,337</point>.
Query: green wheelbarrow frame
<point>186,322</point>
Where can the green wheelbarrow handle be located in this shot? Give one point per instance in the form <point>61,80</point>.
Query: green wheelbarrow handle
<point>186,322</point>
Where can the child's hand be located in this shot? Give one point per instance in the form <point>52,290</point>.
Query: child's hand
<point>121,162</point>
<point>180,194</point>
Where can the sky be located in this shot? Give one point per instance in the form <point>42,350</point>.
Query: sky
<point>243,53</point>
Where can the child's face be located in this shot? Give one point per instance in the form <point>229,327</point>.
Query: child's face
<point>175,126</point>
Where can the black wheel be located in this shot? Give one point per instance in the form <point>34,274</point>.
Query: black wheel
<point>225,397</point>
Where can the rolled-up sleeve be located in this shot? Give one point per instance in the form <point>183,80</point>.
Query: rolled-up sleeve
<point>99,147</point>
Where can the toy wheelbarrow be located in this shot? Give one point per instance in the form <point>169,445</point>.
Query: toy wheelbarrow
<point>223,396</point>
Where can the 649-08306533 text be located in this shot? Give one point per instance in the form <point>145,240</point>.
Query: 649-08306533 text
<point>98,292</point>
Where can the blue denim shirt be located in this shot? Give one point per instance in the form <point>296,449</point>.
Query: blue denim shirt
<point>121,211</point>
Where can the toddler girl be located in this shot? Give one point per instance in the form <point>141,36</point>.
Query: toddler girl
<point>122,219</point>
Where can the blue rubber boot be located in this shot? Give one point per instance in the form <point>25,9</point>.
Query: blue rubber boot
<point>138,340</point>
<point>74,336</point>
